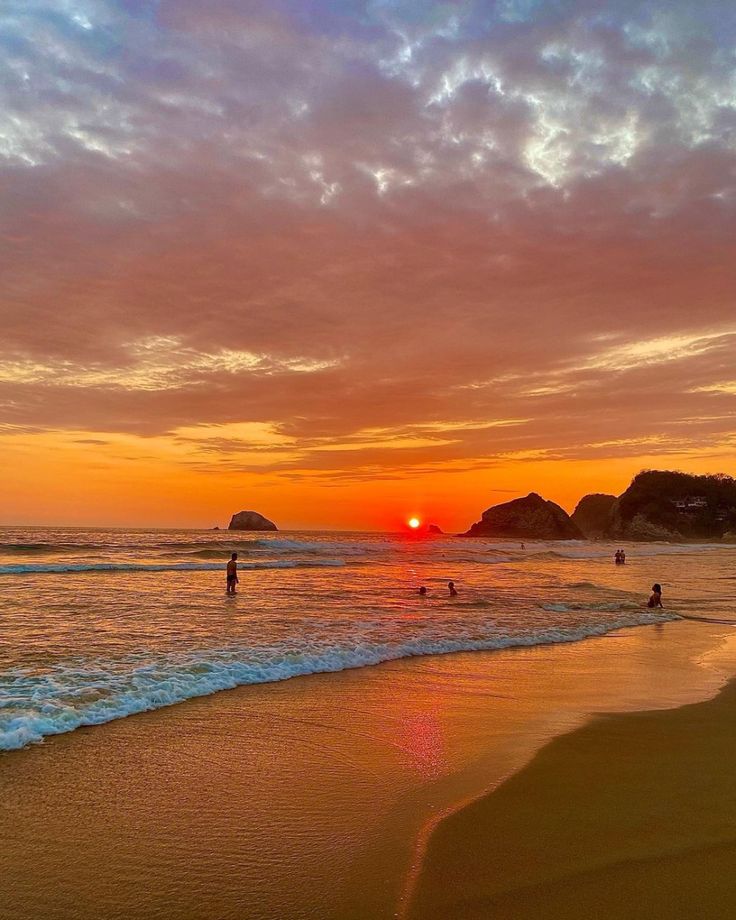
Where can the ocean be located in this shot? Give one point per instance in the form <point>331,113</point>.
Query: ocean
<point>97,625</point>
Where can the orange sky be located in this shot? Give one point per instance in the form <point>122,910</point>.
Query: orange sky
<point>342,264</point>
<point>133,482</point>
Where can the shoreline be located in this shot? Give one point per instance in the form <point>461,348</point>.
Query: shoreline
<point>652,832</point>
<point>309,796</point>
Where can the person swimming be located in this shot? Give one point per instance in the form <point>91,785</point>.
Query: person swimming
<point>423,591</point>
<point>451,588</point>
<point>656,598</point>
<point>232,574</point>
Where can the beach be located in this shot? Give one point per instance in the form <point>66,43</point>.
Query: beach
<point>367,433</point>
<point>338,795</point>
<point>631,816</point>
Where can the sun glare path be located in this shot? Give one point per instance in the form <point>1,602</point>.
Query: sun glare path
<point>414,523</point>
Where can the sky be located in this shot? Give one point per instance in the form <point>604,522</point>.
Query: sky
<point>345,262</point>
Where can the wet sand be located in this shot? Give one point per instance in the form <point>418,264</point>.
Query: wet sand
<point>631,816</point>
<point>316,797</point>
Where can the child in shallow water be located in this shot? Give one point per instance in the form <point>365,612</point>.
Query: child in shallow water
<point>656,599</point>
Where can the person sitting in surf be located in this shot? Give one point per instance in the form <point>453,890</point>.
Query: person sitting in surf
<point>232,574</point>
<point>656,599</point>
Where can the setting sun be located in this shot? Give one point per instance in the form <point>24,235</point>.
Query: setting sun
<point>414,523</point>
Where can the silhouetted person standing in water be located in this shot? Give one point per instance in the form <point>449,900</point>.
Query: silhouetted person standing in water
<point>232,574</point>
<point>451,588</point>
<point>656,599</point>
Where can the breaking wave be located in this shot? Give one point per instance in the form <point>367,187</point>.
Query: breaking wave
<point>61,568</point>
<point>61,699</point>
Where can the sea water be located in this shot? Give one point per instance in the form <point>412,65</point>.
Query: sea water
<point>97,625</point>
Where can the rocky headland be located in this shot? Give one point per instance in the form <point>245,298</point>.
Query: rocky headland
<point>593,515</point>
<point>657,505</point>
<point>529,518</point>
<point>668,505</point>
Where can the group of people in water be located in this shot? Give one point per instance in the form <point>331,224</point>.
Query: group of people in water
<point>620,558</point>
<point>422,592</point>
<point>655,599</point>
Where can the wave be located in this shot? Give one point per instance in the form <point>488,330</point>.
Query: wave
<point>585,550</point>
<point>608,607</point>
<point>37,706</point>
<point>62,568</point>
<point>42,548</point>
<point>205,549</point>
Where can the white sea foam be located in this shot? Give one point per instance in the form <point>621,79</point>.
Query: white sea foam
<point>102,641</point>
<point>62,698</point>
<point>60,568</point>
<point>607,607</point>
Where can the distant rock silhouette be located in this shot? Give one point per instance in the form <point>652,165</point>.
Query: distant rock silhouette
<point>593,515</point>
<point>530,518</point>
<point>250,520</point>
<point>434,528</point>
<point>669,505</point>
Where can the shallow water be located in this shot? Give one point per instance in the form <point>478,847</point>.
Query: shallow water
<point>97,624</point>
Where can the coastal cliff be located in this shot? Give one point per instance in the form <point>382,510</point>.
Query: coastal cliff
<point>593,514</point>
<point>250,520</point>
<point>668,505</point>
<point>529,518</point>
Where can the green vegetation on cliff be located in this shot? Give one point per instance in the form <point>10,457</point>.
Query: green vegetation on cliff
<point>667,505</point>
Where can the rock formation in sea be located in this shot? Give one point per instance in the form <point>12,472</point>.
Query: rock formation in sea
<point>250,520</point>
<point>530,518</point>
<point>434,528</point>
<point>669,505</point>
<point>593,515</point>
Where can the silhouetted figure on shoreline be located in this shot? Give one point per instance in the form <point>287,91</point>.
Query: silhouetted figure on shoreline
<point>232,574</point>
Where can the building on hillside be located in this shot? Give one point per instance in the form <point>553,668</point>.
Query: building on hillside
<point>691,503</point>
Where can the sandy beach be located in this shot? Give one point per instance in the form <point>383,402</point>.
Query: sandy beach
<point>339,795</point>
<point>631,816</point>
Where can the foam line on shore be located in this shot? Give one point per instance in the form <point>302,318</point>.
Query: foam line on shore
<point>62,699</point>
